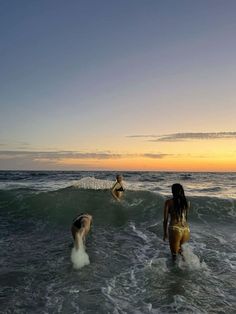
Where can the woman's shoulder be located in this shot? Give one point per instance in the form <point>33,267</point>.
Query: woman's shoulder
<point>115,185</point>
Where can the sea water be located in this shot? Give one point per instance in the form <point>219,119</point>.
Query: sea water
<point>130,268</point>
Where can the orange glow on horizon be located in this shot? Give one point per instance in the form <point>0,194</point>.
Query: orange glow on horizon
<point>148,164</point>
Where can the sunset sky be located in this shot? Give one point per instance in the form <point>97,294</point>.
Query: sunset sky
<point>118,85</point>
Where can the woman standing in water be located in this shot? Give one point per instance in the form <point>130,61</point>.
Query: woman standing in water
<point>177,209</point>
<point>118,189</point>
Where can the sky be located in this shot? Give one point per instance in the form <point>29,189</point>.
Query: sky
<point>118,85</point>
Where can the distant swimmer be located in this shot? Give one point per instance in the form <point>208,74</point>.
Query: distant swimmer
<point>177,209</point>
<point>118,188</point>
<point>80,229</point>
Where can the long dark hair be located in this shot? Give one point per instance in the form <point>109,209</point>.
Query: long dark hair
<point>180,202</point>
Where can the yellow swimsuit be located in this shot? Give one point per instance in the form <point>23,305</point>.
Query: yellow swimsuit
<point>180,229</point>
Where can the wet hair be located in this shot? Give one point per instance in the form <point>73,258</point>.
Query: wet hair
<point>180,202</point>
<point>118,175</point>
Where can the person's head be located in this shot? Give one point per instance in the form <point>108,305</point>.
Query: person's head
<point>180,202</point>
<point>119,178</point>
<point>177,190</point>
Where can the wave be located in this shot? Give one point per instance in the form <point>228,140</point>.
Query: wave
<point>186,176</point>
<point>93,184</point>
<point>209,189</point>
<point>93,196</point>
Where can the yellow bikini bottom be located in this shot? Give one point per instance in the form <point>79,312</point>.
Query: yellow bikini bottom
<point>180,229</point>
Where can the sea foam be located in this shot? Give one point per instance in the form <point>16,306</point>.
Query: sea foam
<point>79,257</point>
<point>190,260</point>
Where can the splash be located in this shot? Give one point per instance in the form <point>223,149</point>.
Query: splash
<point>92,183</point>
<point>190,260</point>
<point>79,257</point>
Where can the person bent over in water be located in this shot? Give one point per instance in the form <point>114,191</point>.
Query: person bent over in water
<point>80,228</point>
<point>176,209</point>
<point>118,188</point>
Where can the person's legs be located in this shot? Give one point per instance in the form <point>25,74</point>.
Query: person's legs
<point>73,231</point>
<point>80,235</point>
<point>77,234</point>
<point>86,227</point>
<point>185,237</point>
<point>175,237</point>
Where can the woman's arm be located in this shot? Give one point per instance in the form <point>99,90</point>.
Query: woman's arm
<point>113,191</point>
<point>165,220</point>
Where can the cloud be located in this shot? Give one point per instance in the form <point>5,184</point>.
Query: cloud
<point>19,145</point>
<point>156,156</point>
<point>57,156</point>
<point>176,137</point>
<point>23,145</point>
<point>48,160</point>
<point>145,136</point>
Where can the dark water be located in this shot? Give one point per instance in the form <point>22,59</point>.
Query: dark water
<point>130,267</point>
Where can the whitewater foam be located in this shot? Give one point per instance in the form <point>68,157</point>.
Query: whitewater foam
<point>190,260</point>
<point>93,183</point>
<point>79,257</point>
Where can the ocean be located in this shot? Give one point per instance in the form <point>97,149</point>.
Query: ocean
<point>130,270</point>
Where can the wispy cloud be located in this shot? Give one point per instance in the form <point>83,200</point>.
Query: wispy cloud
<point>56,155</point>
<point>142,135</point>
<point>175,137</point>
<point>23,145</point>
<point>60,155</point>
<point>156,156</point>
<point>19,145</point>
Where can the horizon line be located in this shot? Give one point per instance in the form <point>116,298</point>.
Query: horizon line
<point>102,170</point>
